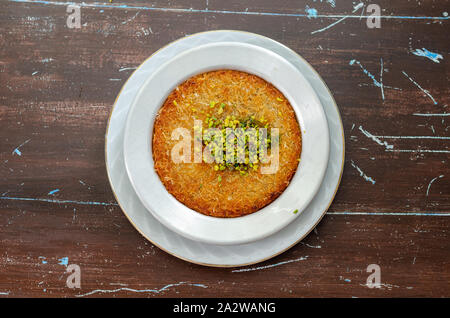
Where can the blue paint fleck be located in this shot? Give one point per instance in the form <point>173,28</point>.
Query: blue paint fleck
<point>370,75</point>
<point>53,191</point>
<point>63,261</point>
<point>43,259</point>
<point>428,54</point>
<point>17,152</point>
<point>347,280</point>
<point>311,12</point>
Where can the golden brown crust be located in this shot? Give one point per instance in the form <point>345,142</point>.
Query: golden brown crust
<point>196,185</point>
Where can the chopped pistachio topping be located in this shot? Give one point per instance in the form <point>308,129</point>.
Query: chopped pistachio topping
<point>251,161</point>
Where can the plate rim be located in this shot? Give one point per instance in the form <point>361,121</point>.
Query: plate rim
<point>270,214</point>
<point>284,249</point>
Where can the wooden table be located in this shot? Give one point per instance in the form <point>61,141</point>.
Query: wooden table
<point>57,87</point>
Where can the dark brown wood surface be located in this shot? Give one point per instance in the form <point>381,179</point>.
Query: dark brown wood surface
<point>57,87</point>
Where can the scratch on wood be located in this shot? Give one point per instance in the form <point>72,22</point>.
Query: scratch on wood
<point>362,174</point>
<point>311,246</point>
<point>372,77</point>
<point>131,19</point>
<point>381,78</point>
<point>419,150</point>
<point>420,87</point>
<point>374,138</point>
<point>191,10</point>
<point>355,8</point>
<point>414,137</point>
<point>330,26</point>
<point>432,115</point>
<point>432,180</point>
<point>58,201</point>
<point>383,286</point>
<point>269,266</point>
<point>389,213</point>
<point>154,291</point>
<point>359,5</point>
<point>126,69</point>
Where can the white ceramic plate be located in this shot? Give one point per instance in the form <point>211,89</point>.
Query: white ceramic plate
<point>210,254</point>
<point>237,56</point>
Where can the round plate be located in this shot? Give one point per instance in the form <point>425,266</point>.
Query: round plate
<point>209,254</point>
<point>251,59</point>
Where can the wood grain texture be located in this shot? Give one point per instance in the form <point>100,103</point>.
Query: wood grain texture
<point>57,87</point>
